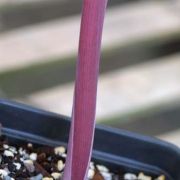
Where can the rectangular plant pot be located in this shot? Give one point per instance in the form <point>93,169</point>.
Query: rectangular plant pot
<point>117,149</point>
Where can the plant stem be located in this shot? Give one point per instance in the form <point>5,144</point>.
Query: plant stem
<point>84,105</point>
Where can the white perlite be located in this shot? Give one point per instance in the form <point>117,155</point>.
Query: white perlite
<point>33,156</point>
<point>13,149</point>
<point>56,175</point>
<point>3,173</point>
<point>102,168</point>
<point>144,177</point>
<point>5,146</point>
<point>106,175</point>
<point>59,150</point>
<point>8,153</point>
<point>18,166</point>
<point>161,178</point>
<point>60,165</point>
<point>47,178</point>
<point>91,173</point>
<point>130,176</point>
<point>29,165</point>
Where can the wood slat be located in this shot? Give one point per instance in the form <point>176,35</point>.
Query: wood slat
<point>37,44</point>
<point>122,92</point>
<point>19,13</point>
<point>172,137</point>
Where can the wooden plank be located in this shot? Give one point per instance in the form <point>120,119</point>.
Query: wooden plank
<point>18,13</point>
<point>16,2</point>
<point>172,137</point>
<point>122,92</point>
<point>28,80</point>
<point>157,119</point>
<point>36,44</point>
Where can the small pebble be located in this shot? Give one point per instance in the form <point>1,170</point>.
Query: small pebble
<point>33,156</point>
<point>29,145</point>
<point>102,168</point>
<point>141,176</point>
<point>22,151</point>
<point>64,155</point>
<point>47,178</point>
<point>26,156</point>
<point>38,177</point>
<point>59,150</point>
<point>5,146</point>
<point>18,166</point>
<point>162,177</point>
<point>3,173</point>
<point>13,149</point>
<point>92,166</point>
<point>49,158</point>
<point>29,165</point>
<point>56,175</point>
<point>91,173</point>
<point>60,165</point>
<point>7,170</point>
<point>130,176</point>
<point>8,153</point>
<point>106,175</point>
<point>22,159</point>
<point>7,178</point>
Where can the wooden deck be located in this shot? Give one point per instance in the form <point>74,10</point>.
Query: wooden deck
<point>172,137</point>
<point>139,86</point>
<point>37,44</point>
<point>122,91</point>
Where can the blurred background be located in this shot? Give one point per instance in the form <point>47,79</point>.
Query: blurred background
<point>139,84</point>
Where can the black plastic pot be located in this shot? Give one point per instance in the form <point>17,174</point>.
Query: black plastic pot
<point>118,149</point>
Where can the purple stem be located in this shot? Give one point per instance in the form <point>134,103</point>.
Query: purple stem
<point>84,107</point>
